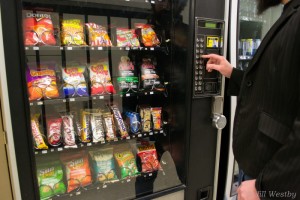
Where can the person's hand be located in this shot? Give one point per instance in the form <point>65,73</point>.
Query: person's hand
<point>247,191</point>
<point>219,63</point>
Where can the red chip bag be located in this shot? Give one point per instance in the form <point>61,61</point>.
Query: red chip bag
<point>77,170</point>
<point>148,156</point>
<point>38,29</point>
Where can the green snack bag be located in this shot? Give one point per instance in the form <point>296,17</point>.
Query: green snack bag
<point>127,164</point>
<point>50,180</point>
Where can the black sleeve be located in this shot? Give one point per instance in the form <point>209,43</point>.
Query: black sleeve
<point>235,82</point>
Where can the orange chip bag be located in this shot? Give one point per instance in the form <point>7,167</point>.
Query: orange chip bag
<point>98,35</point>
<point>149,37</point>
<point>41,81</point>
<point>77,170</point>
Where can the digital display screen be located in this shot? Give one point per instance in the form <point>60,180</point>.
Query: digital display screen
<point>210,25</point>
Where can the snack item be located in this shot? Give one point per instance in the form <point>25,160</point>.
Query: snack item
<point>38,29</point>
<point>85,135</point>
<point>149,37</point>
<point>68,131</point>
<point>50,179</point>
<point>37,135</point>
<point>134,121</point>
<point>72,32</point>
<point>127,164</point>
<point>149,77</point>
<point>109,126</point>
<point>74,81</point>
<point>148,155</point>
<point>77,170</point>
<point>127,81</point>
<point>41,81</point>
<point>54,135</point>
<point>127,38</point>
<point>120,122</point>
<point>100,78</point>
<point>145,113</point>
<point>156,117</point>
<point>98,35</point>
<point>97,127</point>
<point>104,165</point>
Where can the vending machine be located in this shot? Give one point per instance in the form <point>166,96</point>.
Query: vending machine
<point>247,30</point>
<point>111,99</point>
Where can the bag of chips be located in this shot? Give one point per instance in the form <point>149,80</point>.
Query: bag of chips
<point>50,179</point>
<point>98,35</point>
<point>74,81</point>
<point>127,164</point>
<point>104,165</point>
<point>38,29</point>
<point>149,77</point>
<point>127,82</point>
<point>77,170</point>
<point>147,153</point>
<point>38,137</point>
<point>100,78</point>
<point>127,38</point>
<point>156,118</point>
<point>41,81</point>
<point>72,32</point>
<point>149,37</point>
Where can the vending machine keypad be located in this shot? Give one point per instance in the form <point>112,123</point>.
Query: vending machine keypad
<point>208,39</point>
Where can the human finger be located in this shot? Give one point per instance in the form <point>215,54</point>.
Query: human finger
<point>212,66</point>
<point>214,56</point>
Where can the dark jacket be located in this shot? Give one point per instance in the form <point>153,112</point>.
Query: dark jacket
<point>266,135</point>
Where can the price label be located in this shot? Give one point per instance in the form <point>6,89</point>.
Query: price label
<point>44,152</point>
<point>94,98</point>
<point>127,95</point>
<point>128,180</point>
<point>31,104</point>
<point>147,48</point>
<point>101,97</point>
<point>92,48</point>
<point>151,92</point>
<point>40,103</point>
<point>104,186</point>
<point>128,137</point>
<point>72,99</point>
<point>36,153</point>
<point>152,48</point>
<point>100,48</point>
<point>139,135</point>
<point>127,48</point>
<point>161,131</point>
<point>89,144</point>
<point>133,136</point>
<point>51,150</point>
<point>64,100</point>
<point>78,193</point>
<point>26,48</point>
<point>69,48</point>
<point>116,139</point>
<point>60,149</point>
<point>61,48</point>
<point>36,48</point>
<point>145,134</point>
<point>150,174</point>
<point>103,142</point>
<point>151,133</point>
<point>121,48</point>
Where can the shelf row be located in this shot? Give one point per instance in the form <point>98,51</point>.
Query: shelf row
<point>92,98</point>
<point>92,48</point>
<point>90,144</point>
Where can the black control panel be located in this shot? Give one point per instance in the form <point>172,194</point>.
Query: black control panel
<point>208,39</point>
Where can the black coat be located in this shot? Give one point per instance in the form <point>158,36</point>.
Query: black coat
<point>266,135</point>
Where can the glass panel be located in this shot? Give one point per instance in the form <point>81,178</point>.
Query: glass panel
<point>98,75</point>
<point>252,29</point>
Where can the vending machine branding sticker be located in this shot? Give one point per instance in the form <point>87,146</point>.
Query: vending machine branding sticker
<point>212,41</point>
